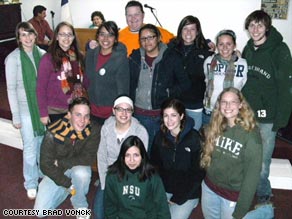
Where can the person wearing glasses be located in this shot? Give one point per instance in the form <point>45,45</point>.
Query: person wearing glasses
<point>130,35</point>
<point>135,17</point>
<point>107,69</point>
<point>156,75</point>
<point>222,70</point>
<point>232,157</point>
<point>60,75</point>
<point>114,131</point>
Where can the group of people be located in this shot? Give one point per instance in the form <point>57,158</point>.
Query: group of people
<point>164,115</point>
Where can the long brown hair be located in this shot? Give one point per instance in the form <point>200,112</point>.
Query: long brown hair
<point>58,53</point>
<point>179,107</point>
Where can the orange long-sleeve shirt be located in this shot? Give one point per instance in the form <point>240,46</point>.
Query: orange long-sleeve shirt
<point>131,39</point>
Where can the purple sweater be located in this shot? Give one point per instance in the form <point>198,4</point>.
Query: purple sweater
<point>49,90</point>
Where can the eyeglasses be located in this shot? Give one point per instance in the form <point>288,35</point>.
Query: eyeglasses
<point>108,35</point>
<point>148,38</point>
<point>66,35</point>
<point>230,103</point>
<point>120,110</point>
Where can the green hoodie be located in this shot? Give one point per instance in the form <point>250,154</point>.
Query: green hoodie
<point>236,165</point>
<point>132,198</point>
<point>269,80</point>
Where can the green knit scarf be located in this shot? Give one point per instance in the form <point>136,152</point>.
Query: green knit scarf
<point>29,80</point>
<point>228,79</point>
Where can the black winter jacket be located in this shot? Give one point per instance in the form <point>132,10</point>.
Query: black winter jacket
<point>193,66</point>
<point>169,79</point>
<point>179,163</point>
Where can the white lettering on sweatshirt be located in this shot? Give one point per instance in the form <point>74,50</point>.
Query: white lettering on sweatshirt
<point>229,144</point>
<point>131,190</point>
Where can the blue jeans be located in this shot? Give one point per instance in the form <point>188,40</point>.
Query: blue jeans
<point>31,152</point>
<point>197,117</point>
<point>182,211</point>
<point>214,206</point>
<point>206,117</point>
<point>152,125</point>
<point>50,195</point>
<point>262,212</point>
<point>217,207</point>
<point>268,140</point>
<point>98,207</point>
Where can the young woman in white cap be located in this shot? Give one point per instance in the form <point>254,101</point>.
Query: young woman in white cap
<point>115,129</point>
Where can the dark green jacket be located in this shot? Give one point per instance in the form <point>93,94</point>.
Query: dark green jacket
<point>236,165</point>
<point>269,80</point>
<point>83,152</point>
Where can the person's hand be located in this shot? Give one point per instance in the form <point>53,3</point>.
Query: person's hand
<point>170,202</point>
<point>45,120</point>
<point>93,44</point>
<point>212,46</point>
<point>47,42</point>
<point>17,126</point>
<point>238,53</point>
<point>72,190</point>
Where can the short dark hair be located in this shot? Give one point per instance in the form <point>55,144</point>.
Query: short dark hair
<point>38,9</point>
<point>97,14</point>
<point>78,101</point>
<point>152,28</point>
<point>134,4</point>
<point>258,16</point>
<point>27,27</point>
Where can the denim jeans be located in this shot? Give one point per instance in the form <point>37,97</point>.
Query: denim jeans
<point>50,195</point>
<point>214,206</point>
<point>206,117</point>
<point>152,125</point>
<point>31,152</point>
<point>197,117</point>
<point>182,211</point>
<point>268,140</point>
<point>217,207</point>
<point>262,212</point>
<point>98,207</point>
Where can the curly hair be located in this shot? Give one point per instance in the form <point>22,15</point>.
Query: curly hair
<point>218,124</point>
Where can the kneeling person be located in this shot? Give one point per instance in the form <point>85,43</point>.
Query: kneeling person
<point>67,152</point>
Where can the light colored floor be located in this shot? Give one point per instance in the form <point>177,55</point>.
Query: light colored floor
<point>9,135</point>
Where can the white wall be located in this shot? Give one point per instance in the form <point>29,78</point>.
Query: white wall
<point>214,15</point>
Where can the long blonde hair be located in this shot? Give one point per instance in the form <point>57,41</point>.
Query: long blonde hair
<point>218,124</point>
